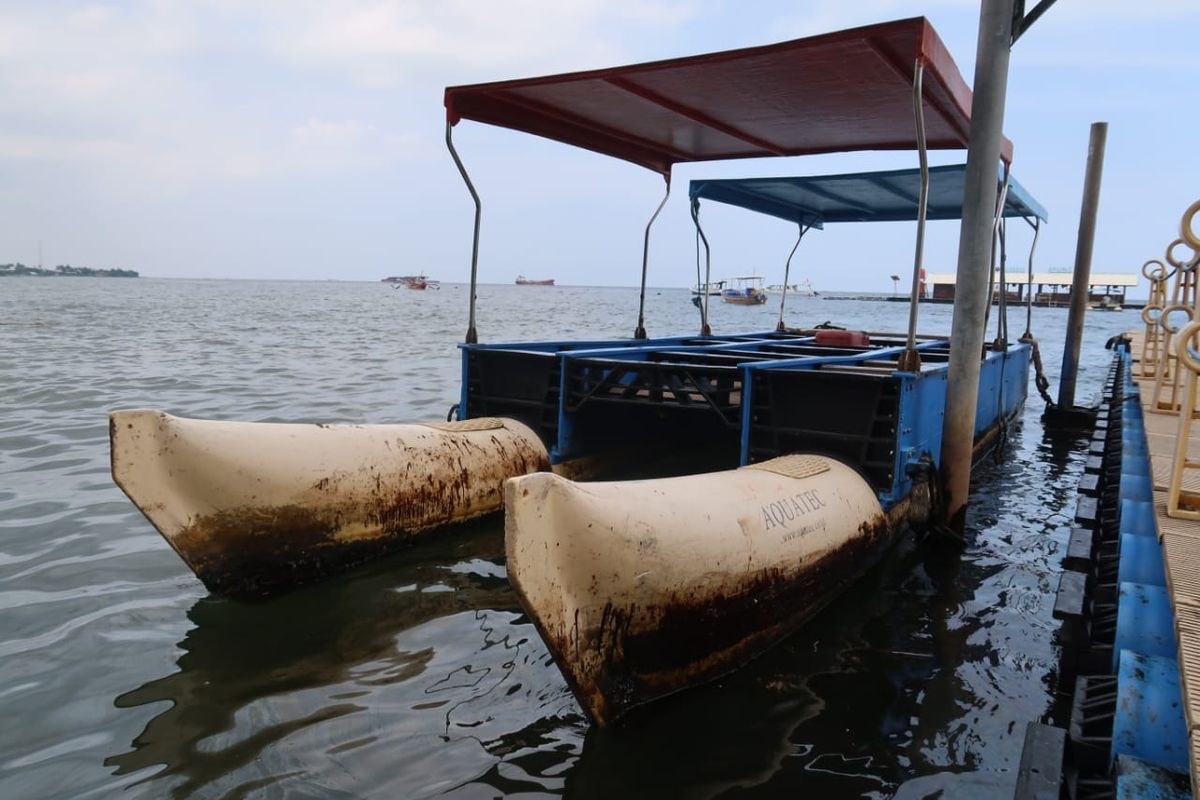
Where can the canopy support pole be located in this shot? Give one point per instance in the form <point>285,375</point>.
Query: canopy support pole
<point>1035,354</point>
<point>786,269</point>
<point>472,337</point>
<point>1001,342</point>
<point>974,255</point>
<point>910,360</point>
<point>705,328</point>
<point>1083,264</point>
<point>640,331</point>
<point>1001,199</point>
<point>1037,229</point>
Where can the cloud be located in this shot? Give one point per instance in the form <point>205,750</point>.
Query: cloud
<point>386,43</point>
<point>174,94</point>
<point>822,16</point>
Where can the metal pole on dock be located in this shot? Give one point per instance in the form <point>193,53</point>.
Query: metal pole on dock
<point>972,293</point>
<point>1083,264</point>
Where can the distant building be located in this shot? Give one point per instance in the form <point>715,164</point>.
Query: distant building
<point>1049,288</point>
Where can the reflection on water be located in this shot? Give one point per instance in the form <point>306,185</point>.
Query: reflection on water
<point>427,647</point>
<point>419,676</point>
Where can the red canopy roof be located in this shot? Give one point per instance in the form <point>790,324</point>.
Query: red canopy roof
<point>850,90</point>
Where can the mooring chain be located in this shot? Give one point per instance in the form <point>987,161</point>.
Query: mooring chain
<point>1039,379</point>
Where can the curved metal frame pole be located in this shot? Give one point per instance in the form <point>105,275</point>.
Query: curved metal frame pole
<point>705,328</point>
<point>910,360</point>
<point>1002,315</point>
<point>472,336</point>
<point>787,269</point>
<point>997,215</point>
<point>640,331</point>
<point>1037,229</point>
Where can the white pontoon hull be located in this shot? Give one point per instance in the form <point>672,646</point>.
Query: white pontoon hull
<point>642,588</point>
<point>252,507</point>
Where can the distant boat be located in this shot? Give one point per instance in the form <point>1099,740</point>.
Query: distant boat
<point>747,290</point>
<point>523,281</point>
<point>802,289</point>
<point>418,282</point>
<point>713,288</point>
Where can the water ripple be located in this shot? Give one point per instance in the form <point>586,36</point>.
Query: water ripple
<point>419,676</point>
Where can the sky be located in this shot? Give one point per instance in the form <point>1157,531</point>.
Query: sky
<point>304,139</point>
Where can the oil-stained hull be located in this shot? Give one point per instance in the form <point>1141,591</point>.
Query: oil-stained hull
<point>643,588</point>
<point>256,507</point>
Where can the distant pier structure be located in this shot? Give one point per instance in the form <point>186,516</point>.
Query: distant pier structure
<point>1049,288</point>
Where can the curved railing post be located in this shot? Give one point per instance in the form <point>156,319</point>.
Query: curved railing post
<point>1037,229</point>
<point>472,336</point>
<point>910,360</point>
<point>1001,342</point>
<point>997,216</point>
<point>705,328</point>
<point>640,331</point>
<point>786,270</point>
<point>1181,503</point>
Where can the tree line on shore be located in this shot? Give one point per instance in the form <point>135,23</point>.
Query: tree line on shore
<point>65,270</point>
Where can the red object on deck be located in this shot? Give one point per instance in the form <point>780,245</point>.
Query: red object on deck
<point>843,338</point>
<point>837,92</point>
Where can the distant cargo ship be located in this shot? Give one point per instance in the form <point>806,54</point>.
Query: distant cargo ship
<point>523,281</point>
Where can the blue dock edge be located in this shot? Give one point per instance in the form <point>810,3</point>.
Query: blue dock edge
<point>1149,721</point>
<point>1149,724</point>
<point>1138,780</point>
<point>1128,737</point>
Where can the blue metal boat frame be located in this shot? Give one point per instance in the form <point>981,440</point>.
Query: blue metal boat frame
<point>764,394</point>
<point>885,436</point>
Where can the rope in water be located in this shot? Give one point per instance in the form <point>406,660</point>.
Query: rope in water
<point>1039,380</point>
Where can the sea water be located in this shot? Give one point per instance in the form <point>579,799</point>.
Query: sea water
<point>418,675</point>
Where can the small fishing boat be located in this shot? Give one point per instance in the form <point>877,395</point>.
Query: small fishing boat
<point>416,282</point>
<point>523,281</point>
<point>255,507</point>
<point>712,289</point>
<point>747,290</point>
<point>802,289</point>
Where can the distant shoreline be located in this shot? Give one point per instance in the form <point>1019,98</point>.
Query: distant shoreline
<point>64,271</point>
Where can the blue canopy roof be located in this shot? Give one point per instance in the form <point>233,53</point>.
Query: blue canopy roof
<point>858,197</point>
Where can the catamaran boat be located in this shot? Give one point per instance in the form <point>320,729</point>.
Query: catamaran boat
<point>826,443</point>
<point>643,588</point>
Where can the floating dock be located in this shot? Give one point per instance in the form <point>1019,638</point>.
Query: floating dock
<point>1180,543</point>
<point>1129,599</point>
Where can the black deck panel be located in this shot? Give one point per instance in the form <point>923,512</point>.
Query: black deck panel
<point>848,416</point>
<point>1040,775</point>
